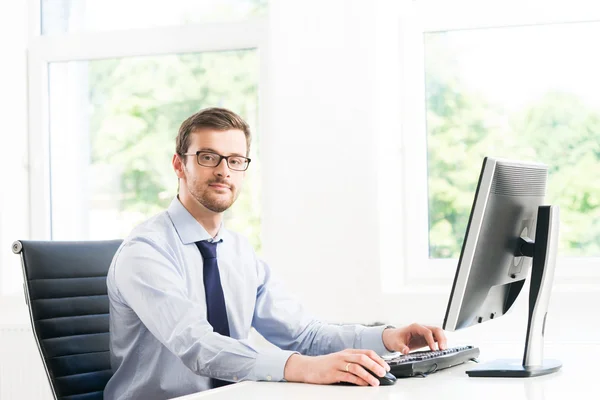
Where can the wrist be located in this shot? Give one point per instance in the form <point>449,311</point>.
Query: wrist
<point>389,337</point>
<point>294,368</point>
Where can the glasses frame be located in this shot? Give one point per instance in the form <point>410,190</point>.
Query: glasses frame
<point>221,158</point>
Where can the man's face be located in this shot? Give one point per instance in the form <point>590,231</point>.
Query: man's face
<point>216,188</point>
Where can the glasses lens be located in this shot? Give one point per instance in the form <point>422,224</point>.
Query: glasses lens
<point>238,163</point>
<point>208,159</point>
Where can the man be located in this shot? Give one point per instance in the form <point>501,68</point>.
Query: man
<point>184,292</point>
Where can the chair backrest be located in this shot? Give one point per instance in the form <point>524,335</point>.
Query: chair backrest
<point>65,289</point>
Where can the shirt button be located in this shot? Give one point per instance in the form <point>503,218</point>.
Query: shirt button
<point>268,377</point>
<point>235,378</point>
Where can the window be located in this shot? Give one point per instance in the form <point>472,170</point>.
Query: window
<point>513,92</point>
<point>507,81</point>
<point>108,87</point>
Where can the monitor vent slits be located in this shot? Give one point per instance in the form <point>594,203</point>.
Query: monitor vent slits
<point>510,180</point>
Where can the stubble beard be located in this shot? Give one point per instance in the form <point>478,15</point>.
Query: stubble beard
<point>212,201</point>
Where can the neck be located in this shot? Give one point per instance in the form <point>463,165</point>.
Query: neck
<point>210,220</point>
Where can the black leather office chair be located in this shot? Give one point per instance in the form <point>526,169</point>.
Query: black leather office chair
<point>65,289</point>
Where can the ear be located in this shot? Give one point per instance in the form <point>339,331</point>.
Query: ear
<point>178,166</point>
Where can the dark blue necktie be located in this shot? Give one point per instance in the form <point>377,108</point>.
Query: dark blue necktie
<point>215,300</point>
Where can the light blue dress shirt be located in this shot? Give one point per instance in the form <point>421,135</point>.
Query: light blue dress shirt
<point>161,344</point>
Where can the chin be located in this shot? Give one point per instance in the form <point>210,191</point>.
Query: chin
<point>218,210</point>
<point>218,206</point>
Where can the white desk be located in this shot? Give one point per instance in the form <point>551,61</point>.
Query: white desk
<point>576,379</point>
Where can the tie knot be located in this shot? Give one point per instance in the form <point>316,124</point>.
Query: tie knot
<point>207,249</point>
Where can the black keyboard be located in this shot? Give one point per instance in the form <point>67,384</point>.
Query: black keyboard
<point>427,362</point>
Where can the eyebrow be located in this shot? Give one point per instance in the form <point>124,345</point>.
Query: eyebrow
<point>216,152</point>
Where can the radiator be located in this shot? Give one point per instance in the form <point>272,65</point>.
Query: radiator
<point>22,375</point>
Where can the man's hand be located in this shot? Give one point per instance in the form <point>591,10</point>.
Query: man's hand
<point>344,366</point>
<point>413,337</point>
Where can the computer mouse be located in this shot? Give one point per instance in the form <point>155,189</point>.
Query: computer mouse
<point>386,380</point>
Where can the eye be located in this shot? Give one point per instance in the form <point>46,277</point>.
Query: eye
<point>236,161</point>
<point>208,157</point>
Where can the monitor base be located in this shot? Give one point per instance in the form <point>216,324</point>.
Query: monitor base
<point>507,368</point>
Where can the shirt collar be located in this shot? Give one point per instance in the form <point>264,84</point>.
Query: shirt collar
<point>186,226</point>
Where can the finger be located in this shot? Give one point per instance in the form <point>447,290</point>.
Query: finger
<point>361,373</point>
<point>373,356</point>
<point>351,378</point>
<point>370,360</point>
<point>365,361</point>
<point>440,337</point>
<point>427,335</point>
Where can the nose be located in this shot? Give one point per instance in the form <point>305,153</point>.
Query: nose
<point>222,169</point>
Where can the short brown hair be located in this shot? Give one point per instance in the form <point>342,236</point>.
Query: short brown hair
<point>219,119</point>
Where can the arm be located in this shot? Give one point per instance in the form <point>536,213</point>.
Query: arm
<point>149,281</point>
<point>281,320</point>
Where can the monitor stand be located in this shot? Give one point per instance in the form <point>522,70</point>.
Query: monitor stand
<point>543,251</point>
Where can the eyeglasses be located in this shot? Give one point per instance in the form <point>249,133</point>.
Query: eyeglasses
<point>210,159</point>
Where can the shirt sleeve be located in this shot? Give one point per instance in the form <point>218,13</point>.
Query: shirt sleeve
<point>282,320</point>
<point>150,283</point>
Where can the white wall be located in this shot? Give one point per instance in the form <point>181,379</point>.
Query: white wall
<point>14,201</point>
<point>320,218</point>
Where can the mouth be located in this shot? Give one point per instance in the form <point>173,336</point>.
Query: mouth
<point>219,186</point>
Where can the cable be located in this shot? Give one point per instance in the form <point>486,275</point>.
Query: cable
<point>433,369</point>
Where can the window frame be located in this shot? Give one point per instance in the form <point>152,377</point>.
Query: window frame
<point>251,33</point>
<point>409,267</point>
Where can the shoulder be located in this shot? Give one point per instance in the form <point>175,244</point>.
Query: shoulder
<point>153,237</point>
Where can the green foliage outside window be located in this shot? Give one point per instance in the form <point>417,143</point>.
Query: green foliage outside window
<point>558,129</point>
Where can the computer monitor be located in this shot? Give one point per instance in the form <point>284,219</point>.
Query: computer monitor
<point>511,237</point>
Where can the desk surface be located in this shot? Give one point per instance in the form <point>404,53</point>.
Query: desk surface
<point>576,377</point>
